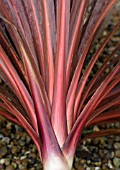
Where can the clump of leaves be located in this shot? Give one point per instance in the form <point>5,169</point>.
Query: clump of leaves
<point>44,46</point>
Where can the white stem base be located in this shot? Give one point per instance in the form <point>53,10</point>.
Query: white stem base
<point>56,163</point>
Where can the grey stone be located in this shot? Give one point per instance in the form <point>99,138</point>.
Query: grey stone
<point>117,145</point>
<point>6,140</point>
<point>117,153</point>
<point>7,161</point>
<point>116,162</point>
<point>3,151</point>
<point>10,167</point>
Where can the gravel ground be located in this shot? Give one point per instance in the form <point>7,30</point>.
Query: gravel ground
<point>102,153</point>
<point>17,151</point>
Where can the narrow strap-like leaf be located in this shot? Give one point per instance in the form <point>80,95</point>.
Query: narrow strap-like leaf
<point>33,11</point>
<point>14,101</point>
<point>101,133</point>
<point>108,115</point>
<point>97,75</point>
<point>97,112</point>
<point>14,57</point>
<point>18,86</point>
<point>23,122</point>
<point>87,72</point>
<point>41,104</point>
<point>58,106</point>
<point>74,39</point>
<point>8,116</point>
<point>76,131</point>
<point>49,42</point>
<point>14,12</point>
<point>74,83</point>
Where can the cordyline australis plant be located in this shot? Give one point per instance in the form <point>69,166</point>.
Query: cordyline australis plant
<point>44,46</point>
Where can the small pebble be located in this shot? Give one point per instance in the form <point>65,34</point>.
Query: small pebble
<point>117,153</point>
<point>10,167</point>
<point>117,145</point>
<point>116,162</point>
<point>2,161</point>
<point>6,140</point>
<point>23,157</point>
<point>7,161</point>
<point>14,164</point>
<point>3,151</point>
